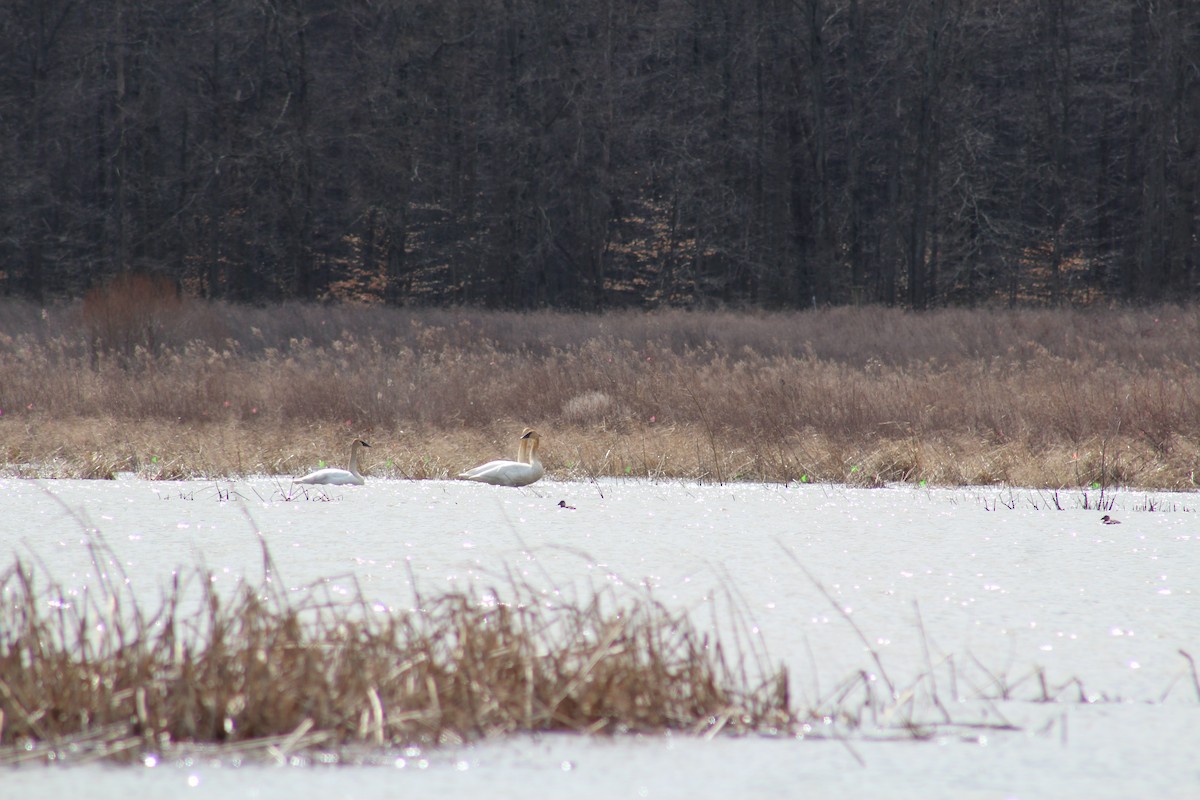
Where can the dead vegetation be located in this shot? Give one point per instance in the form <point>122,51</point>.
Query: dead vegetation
<point>860,396</point>
<point>279,675</point>
<point>97,675</point>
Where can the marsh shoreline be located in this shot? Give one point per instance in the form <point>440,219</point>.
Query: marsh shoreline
<point>861,396</point>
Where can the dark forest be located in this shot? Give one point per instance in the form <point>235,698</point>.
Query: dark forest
<point>604,154</point>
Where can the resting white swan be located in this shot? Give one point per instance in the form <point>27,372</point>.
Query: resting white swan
<point>332,476</point>
<point>522,472</point>
<point>522,456</point>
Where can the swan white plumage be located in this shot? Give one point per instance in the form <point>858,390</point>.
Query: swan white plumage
<point>332,476</point>
<point>522,457</point>
<point>522,472</point>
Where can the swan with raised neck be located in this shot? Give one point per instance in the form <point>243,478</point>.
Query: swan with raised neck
<point>522,472</point>
<point>332,476</point>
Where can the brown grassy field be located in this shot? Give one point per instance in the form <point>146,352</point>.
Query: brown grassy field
<point>141,380</point>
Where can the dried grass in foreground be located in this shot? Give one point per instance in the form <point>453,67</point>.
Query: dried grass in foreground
<point>93,677</point>
<point>304,677</point>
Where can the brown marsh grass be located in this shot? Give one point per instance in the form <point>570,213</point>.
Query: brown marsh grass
<point>1065,398</point>
<point>262,673</point>
<point>97,676</point>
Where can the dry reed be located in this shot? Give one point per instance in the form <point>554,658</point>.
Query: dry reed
<point>263,673</point>
<point>260,672</point>
<point>1100,397</point>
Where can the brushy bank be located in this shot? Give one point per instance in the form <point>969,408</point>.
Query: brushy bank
<point>172,388</point>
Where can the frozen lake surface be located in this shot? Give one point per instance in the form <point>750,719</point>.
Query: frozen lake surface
<point>983,585</point>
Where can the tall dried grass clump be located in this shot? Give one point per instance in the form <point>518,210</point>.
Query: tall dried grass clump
<point>1038,398</point>
<point>261,671</point>
<point>131,312</point>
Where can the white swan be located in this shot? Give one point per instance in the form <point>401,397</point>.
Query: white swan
<point>522,457</point>
<point>522,472</point>
<point>332,476</point>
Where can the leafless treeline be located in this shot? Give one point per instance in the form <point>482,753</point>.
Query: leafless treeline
<point>583,154</point>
